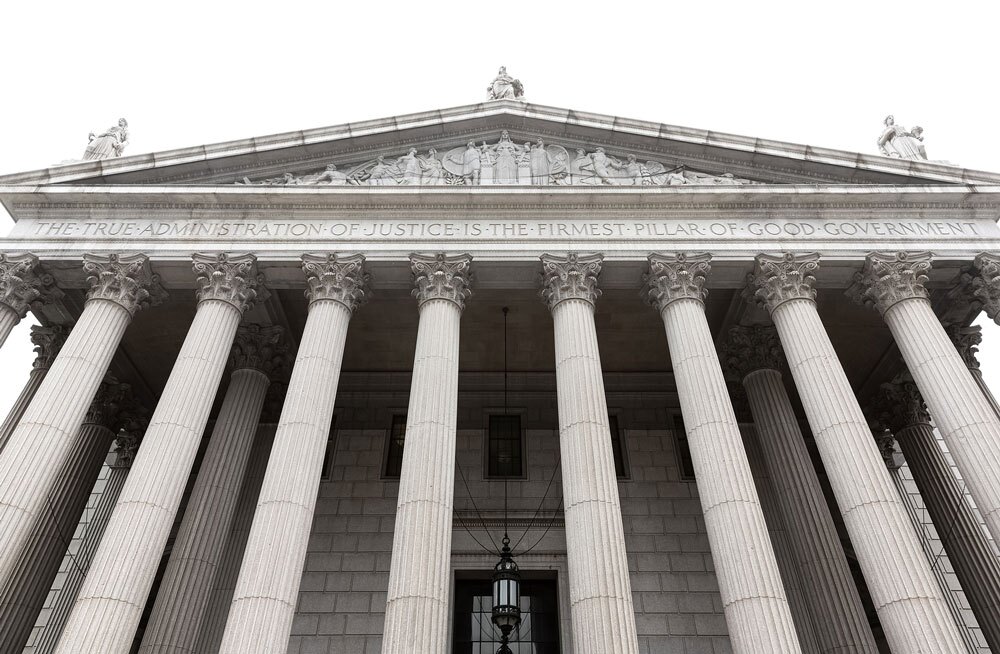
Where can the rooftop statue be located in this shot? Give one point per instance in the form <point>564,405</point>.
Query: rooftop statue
<point>109,144</point>
<point>896,141</point>
<point>505,87</point>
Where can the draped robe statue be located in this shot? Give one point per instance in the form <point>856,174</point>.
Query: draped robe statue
<point>109,144</point>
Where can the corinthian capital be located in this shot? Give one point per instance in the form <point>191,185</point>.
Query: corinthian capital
<point>752,348</point>
<point>899,405</point>
<point>230,278</point>
<point>21,284</point>
<point>890,278</point>
<point>125,279</point>
<point>111,398</point>
<point>571,277</point>
<point>337,278</point>
<point>259,348</point>
<point>441,277</point>
<point>967,341</point>
<point>48,341</point>
<point>778,279</point>
<point>986,284</point>
<point>676,277</point>
<point>134,423</point>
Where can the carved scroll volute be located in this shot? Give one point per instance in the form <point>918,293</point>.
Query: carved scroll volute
<point>889,278</point>
<point>338,278</point>
<point>229,278</point>
<point>752,348</point>
<point>573,277</point>
<point>126,280</point>
<point>676,277</point>
<point>779,279</point>
<point>47,341</point>
<point>441,277</point>
<point>986,284</point>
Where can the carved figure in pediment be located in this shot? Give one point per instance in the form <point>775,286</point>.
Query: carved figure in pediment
<point>382,174</point>
<point>108,144</point>
<point>465,163</point>
<point>410,168</point>
<point>546,161</point>
<point>329,177</point>
<point>601,165</point>
<point>505,87</point>
<point>632,171</point>
<point>897,141</point>
<point>507,154</point>
<point>431,169</point>
<point>675,177</point>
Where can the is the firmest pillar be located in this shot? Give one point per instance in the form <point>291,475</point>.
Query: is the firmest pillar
<point>757,611</point>
<point>120,285</point>
<point>260,617</point>
<point>754,354</point>
<point>600,592</point>
<point>182,600</point>
<point>909,603</point>
<point>416,613</point>
<point>894,284</point>
<point>112,598</point>
<point>47,341</point>
<point>901,409</point>
<point>20,287</point>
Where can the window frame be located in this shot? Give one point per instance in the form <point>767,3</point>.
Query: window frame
<point>520,413</point>
<point>678,430</point>
<point>626,474</point>
<point>387,445</point>
<point>330,451</point>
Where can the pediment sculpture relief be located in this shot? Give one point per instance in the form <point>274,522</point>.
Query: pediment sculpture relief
<point>505,163</point>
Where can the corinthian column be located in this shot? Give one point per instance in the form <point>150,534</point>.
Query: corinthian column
<point>753,596</point>
<point>966,341</point>
<point>47,341</point>
<point>260,617</point>
<point>127,445</point>
<point>416,612</point>
<point>986,284</point>
<point>902,411</point>
<point>120,285</point>
<point>906,596</point>
<point>754,354</point>
<point>600,592</point>
<point>894,284</point>
<point>182,600</point>
<point>114,594</point>
<point>20,287</point>
<point>22,596</point>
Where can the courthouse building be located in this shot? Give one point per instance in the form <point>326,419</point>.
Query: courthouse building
<point>291,392</point>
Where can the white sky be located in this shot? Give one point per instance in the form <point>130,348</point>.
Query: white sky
<point>188,73</point>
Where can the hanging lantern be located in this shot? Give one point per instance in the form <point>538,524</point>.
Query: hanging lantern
<point>506,596</point>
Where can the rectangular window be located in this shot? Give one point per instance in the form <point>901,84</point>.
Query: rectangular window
<point>394,446</point>
<point>473,631</point>
<point>331,443</point>
<point>504,450</point>
<point>617,447</point>
<point>684,464</point>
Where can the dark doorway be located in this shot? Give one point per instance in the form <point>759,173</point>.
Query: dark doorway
<point>474,632</point>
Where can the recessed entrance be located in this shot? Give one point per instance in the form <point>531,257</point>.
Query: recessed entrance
<point>474,632</point>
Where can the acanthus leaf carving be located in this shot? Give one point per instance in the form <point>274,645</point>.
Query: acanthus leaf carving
<point>676,277</point>
<point>889,278</point>
<point>48,340</point>
<point>125,279</point>
<point>229,278</point>
<point>966,341</point>
<point>23,285</point>
<point>339,278</point>
<point>573,277</point>
<point>259,347</point>
<point>986,284</point>
<point>778,279</point>
<point>899,405</point>
<point>135,420</point>
<point>441,277</point>
<point>109,401</point>
<point>752,348</point>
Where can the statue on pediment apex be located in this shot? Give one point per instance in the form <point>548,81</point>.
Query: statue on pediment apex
<point>109,144</point>
<point>505,87</point>
<point>897,141</point>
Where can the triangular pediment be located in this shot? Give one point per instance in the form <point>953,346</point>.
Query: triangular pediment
<point>513,144</point>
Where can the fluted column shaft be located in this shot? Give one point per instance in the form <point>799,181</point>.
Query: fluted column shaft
<point>22,596</point>
<point>184,591</point>
<point>969,551</point>
<point>754,599</point>
<point>416,614</point>
<point>35,378</point>
<point>965,418</point>
<point>906,596</point>
<point>28,470</point>
<point>213,625</point>
<point>826,578</point>
<point>47,342</point>
<point>88,547</point>
<point>8,321</point>
<point>977,376</point>
<point>43,440</point>
<point>805,623</point>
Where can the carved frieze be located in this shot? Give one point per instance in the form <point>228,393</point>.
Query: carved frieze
<point>888,278</point>
<point>261,348</point>
<point>571,277</point>
<point>47,341</point>
<point>228,278</point>
<point>23,285</point>
<point>339,278</point>
<point>125,279</point>
<point>676,277</point>
<point>986,284</point>
<point>504,163</point>
<point>752,348</point>
<point>778,279</point>
<point>441,277</point>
